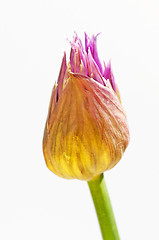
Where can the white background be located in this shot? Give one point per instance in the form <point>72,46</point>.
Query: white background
<point>34,203</point>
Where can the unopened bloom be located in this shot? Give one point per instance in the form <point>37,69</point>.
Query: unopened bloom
<point>86,130</point>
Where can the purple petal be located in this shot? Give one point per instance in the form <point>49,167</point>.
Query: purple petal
<point>78,56</point>
<point>93,69</point>
<point>109,75</point>
<point>72,59</point>
<point>92,45</point>
<point>61,76</point>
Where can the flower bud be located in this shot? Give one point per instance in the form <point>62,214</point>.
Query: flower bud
<point>86,130</point>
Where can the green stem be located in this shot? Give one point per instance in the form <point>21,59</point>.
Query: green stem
<point>103,208</point>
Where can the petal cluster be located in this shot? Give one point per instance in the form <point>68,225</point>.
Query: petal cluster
<point>86,130</point>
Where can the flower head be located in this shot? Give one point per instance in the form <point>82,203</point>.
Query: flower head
<point>86,130</point>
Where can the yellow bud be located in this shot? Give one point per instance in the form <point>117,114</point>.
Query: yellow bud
<point>86,130</point>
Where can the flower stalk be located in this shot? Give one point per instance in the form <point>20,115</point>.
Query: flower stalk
<point>103,208</point>
<point>86,131</point>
